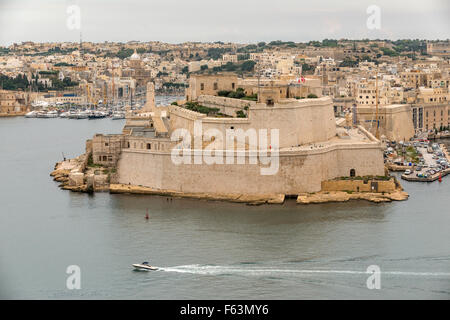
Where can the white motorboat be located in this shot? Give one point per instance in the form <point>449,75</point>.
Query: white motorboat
<point>78,115</point>
<point>97,115</point>
<point>144,266</point>
<point>118,115</point>
<point>31,114</point>
<point>47,114</point>
<point>83,115</point>
<point>52,114</point>
<point>72,114</point>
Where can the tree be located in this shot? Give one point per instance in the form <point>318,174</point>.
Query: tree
<point>248,65</point>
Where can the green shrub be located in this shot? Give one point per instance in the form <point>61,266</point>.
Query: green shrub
<point>223,93</point>
<point>241,114</point>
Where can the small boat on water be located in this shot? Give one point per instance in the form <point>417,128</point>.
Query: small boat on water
<point>48,114</point>
<point>31,114</point>
<point>144,266</point>
<point>97,115</point>
<point>118,115</point>
<point>78,115</point>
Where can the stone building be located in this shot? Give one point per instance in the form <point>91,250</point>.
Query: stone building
<point>439,49</point>
<point>395,121</point>
<point>12,102</point>
<point>138,70</point>
<point>210,85</point>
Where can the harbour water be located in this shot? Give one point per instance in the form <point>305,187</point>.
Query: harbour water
<point>206,250</point>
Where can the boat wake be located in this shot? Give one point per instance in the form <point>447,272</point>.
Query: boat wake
<point>251,271</point>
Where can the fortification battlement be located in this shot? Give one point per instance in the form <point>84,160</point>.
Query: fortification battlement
<point>226,120</point>
<point>295,103</point>
<point>226,102</point>
<point>185,113</point>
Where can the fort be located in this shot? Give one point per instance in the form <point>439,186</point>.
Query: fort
<point>309,147</point>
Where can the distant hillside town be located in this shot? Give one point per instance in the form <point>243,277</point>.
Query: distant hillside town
<point>407,80</point>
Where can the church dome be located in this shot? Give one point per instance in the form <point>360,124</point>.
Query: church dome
<point>135,56</point>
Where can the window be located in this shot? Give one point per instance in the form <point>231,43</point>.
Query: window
<point>104,158</point>
<point>106,144</point>
<point>149,146</point>
<point>232,86</point>
<point>352,172</point>
<point>202,86</point>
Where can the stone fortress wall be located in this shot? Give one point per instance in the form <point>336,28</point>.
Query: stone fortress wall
<point>301,169</point>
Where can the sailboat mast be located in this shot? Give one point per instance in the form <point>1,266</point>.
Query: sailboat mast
<point>377,133</point>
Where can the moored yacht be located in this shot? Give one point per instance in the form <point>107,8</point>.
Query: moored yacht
<point>118,115</point>
<point>31,114</point>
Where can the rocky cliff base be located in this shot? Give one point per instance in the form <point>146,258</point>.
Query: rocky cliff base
<point>341,196</point>
<point>241,198</point>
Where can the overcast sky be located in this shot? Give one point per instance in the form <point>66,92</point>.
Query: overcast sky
<point>241,21</point>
